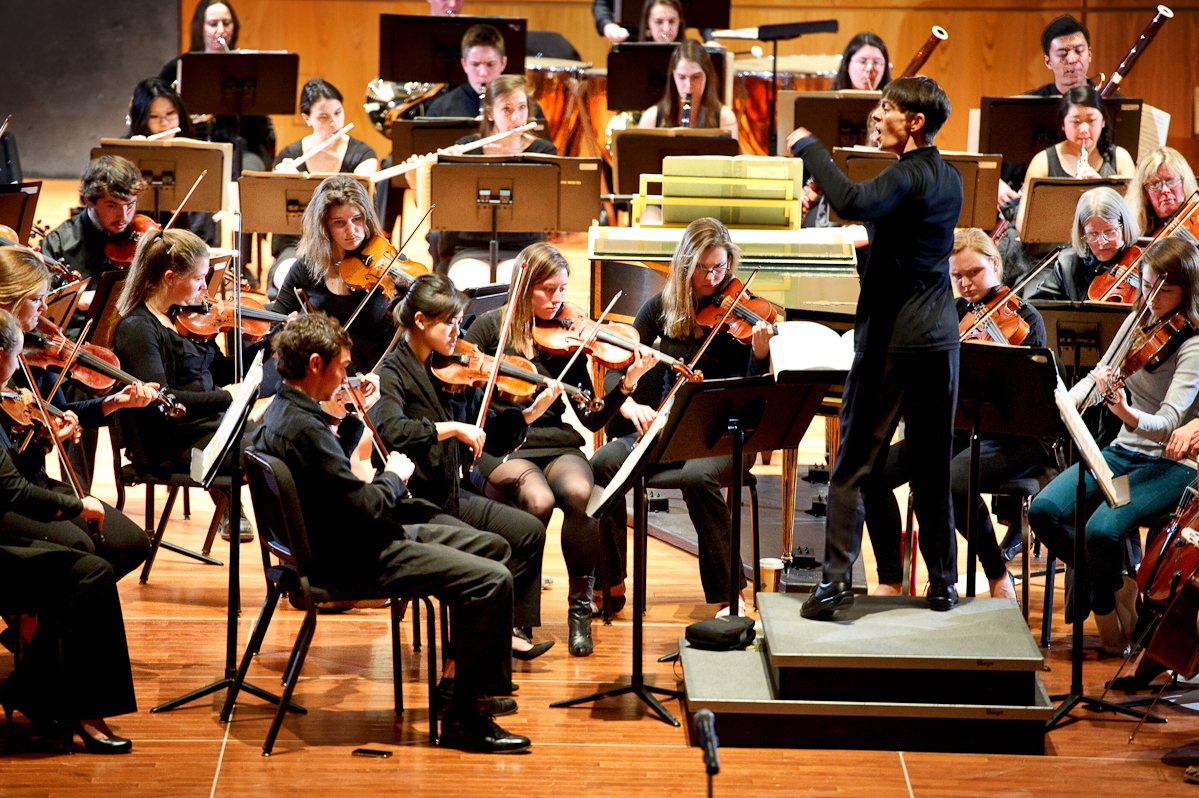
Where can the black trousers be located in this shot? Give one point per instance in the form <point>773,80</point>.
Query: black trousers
<point>702,482</point>
<point>122,543</point>
<point>465,569</point>
<point>1000,460</point>
<point>922,387</point>
<point>77,666</point>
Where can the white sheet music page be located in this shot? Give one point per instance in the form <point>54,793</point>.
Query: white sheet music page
<point>1115,490</point>
<point>204,460</point>
<point>807,345</point>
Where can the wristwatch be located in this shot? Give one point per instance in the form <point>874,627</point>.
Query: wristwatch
<point>630,390</point>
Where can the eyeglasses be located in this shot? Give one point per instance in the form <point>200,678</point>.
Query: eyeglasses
<point>866,63</point>
<point>719,271</point>
<point>1102,236</point>
<point>1162,186</point>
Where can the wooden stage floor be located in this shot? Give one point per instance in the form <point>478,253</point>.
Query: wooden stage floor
<point>176,629</point>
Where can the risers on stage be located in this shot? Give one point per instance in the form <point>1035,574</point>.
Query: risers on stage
<point>887,674</point>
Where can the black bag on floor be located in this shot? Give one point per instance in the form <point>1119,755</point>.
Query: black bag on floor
<point>722,634</point>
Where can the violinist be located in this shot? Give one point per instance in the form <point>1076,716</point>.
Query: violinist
<point>120,542</point>
<point>418,415</point>
<point>464,256</point>
<point>322,110</point>
<point>905,335</point>
<point>704,265</point>
<point>1103,232</point>
<point>75,672</point>
<point>1153,402</point>
<point>550,470</point>
<point>169,270</point>
<point>693,77</point>
<point>338,221</point>
<point>977,273</point>
<point>1163,181</point>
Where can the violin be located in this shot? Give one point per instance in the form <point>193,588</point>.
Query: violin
<point>97,369</point>
<point>205,320</point>
<point>345,400</point>
<point>997,320</point>
<point>612,347</point>
<point>1150,346</point>
<point>1120,282</point>
<point>21,406</point>
<point>518,379</point>
<point>751,311</point>
<point>378,262</point>
<point>64,274</point>
<point>120,251</point>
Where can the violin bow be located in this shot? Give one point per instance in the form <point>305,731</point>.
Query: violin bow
<point>590,338</point>
<point>1019,285</point>
<point>1177,219</point>
<point>62,375</point>
<point>513,296</point>
<point>678,383</point>
<point>67,469</point>
<point>360,401</point>
<point>374,289</point>
<point>179,210</point>
<point>4,125</point>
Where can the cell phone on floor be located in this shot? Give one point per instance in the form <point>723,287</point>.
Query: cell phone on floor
<point>377,753</point>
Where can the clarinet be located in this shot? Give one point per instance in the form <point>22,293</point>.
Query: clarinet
<point>686,120</point>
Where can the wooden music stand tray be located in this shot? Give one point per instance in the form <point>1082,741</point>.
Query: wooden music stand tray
<point>275,203</point>
<point>1051,202</point>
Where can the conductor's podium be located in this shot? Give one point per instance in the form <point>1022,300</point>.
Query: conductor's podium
<point>888,674</point>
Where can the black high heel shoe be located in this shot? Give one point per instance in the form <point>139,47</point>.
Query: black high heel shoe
<point>111,745</point>
<point>534,652</point>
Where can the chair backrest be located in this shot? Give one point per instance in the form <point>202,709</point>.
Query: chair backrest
<point>277,509</point>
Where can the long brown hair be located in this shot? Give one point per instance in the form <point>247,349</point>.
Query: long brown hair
<point>544,261</point>
<point>678,299</point>
<point>22,274</point>
<point>496,91</point>
<point>706,112</point>
<point>643,32</point>
<point>157,253</point>
<point>1177,260</point>
<point>316,245</point>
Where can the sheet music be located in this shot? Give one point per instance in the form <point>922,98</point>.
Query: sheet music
<point>623,478</point>
<point>205,461</point>
<point>1115,490</point>
<point>805,345</point>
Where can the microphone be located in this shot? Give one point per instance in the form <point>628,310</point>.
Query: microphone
<point>686,119</point>
<point>704,720</point>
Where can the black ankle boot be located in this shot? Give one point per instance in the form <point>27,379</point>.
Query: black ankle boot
<point>578,616</point>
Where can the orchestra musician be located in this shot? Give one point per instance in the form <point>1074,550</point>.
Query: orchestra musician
<point>865,64</point>
<point>464,256</point>
<point>1152,403</point>
<point>215,29</point>
<point>550,469</point>
<point>322,110</point>
<point>419,416</point>
<point>1162,182</point>
<point>120,542</point>
<point>360,536</point>
<point>905,338</point>
<point>445,8</point>
<point>670,27</point>
<point>75,671</point>
<point>171,269</point>
<point>483,59</point>
<point>704,265</point>
<point>977,273</point>
<point>1104,229</point>
<point>692,76</point>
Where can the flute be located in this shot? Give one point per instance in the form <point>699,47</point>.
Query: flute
<point>408,166</point>
<point>329,142</point>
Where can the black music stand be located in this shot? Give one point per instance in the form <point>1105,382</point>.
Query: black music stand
<point>1080,333</point>
<point>426,134</point>
<point>1002,390</point>
<point>722,417</point>
<point>482,299</point>
<point>516,194</point>
<point>775,34</point>
<point>428,49</point>
<point>638,73</point>
<point>1020,127</point>
<point>638,151</point>
<point>18,206</point>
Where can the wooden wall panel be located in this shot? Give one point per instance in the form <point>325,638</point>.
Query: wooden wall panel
<point>993,48</point>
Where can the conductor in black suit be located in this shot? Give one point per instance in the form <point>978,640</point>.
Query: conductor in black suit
<point>905,336</point>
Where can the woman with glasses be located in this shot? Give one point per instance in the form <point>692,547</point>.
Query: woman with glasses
<point>1104,229</point>
<point>1162,182</point>
<point>864,64</point>
<point>704,264</point>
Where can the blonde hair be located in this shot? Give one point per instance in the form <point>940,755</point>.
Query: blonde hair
<point>545,262</point>
<point>316,245</point>
<point>974,239</point>
<point>497,90</point>
<point>1137,196</point>
<point>157,253</point>
<point>22,274</point>
<point>678,299</point>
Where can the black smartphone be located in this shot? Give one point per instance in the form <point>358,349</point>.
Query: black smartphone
<point>375,752</point>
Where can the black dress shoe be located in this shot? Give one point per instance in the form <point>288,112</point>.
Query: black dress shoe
<point>488,705</point>
<point>108,745</point>
<point>1012,543</point>
<point>825,599</point>
<point>942,597</point>
<point>481,735</point>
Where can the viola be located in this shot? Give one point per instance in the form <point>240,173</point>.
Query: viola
<point>377,262</point>
<point>97,369</point>
<point>997,320</point>
<point>1119,282</point>
<point>469,366</point>
<point>205,320</point>
<point>612,347</point>
<point>120,250</point>
<point>741,324</point>
<point>1150,346</point>
<point>345,400</point>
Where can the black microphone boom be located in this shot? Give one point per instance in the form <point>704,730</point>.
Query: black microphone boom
<point>704,720</point>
